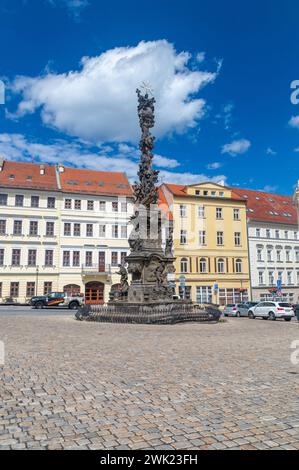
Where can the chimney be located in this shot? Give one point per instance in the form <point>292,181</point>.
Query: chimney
<point>1,163</point>
<point>42,169</point>
<point>61,168</point>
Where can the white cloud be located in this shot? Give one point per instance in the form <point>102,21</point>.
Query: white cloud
<point>74,7</point>
<point>200,57</point>
<point>269,189</point>
<point>270,151</point>
<point>98,102</point>
<point>296,149</point>
<point>236,147</point>
<point>214,166</point>
<point>294,122</point>
<point>79,154</point>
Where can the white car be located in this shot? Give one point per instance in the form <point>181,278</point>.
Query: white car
<point>272,311</point>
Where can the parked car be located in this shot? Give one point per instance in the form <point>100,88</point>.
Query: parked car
<point>231,310</point>
<point>57,299</point>
<point>238,310</point>
<point>272,311</point>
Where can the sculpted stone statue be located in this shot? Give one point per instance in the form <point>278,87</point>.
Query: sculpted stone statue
<point>123,273</point>
<point>169,243</point>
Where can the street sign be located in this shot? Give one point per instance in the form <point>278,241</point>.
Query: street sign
<point>278,284</point>
<point>182,280</point>
<point>216,287</point>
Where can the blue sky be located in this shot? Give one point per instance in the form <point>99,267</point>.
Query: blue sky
<point>221,72</point>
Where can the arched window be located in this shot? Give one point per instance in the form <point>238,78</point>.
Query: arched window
<point>202,265</point>
<point>220,265</point>
<point>184,265</point>
<point>238,266</point>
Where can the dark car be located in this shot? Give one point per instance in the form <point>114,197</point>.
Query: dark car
<point>57,299</point>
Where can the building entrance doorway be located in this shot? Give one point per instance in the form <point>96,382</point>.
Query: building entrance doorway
<point>94,293</point>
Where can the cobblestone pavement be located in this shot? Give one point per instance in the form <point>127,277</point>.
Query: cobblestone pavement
<point>70,385</point>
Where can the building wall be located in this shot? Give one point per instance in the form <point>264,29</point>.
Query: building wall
<point>229,282</point>
<point>282,241</point>
<point>58,274</point>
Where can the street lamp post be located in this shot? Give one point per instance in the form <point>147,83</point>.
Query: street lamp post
<point>36,283</point>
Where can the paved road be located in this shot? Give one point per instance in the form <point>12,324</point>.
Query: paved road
<point>67,384</point>
<point>28,311</point>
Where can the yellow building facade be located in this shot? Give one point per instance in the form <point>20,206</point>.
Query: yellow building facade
<point>210,242</point>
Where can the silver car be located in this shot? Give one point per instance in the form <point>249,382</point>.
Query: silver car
<point>238,310</point>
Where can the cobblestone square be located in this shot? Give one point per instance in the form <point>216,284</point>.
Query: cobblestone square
<point>67,385</point>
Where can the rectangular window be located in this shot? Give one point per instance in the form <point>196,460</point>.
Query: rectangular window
<point>19,201</point>
<point>76,258</point>
<point>51,202</point>
<point>271,278</point>
<point>88,258</point>
<point>269,255</point>
<point>297,256</point>
<point>0,289</point>
<point>289,278</point>
<point>236,214</point>
<point>77,230</point>
<point>33,228</point>
<point>286,234</point>
<point>49,258</point>
<point>1,256</point>
<point>258,232</point>
<point>31,258</point>
<point>278,255</point>
<point>237,238</point>
<point>219,213</point>
<point>30,289</point>
<point>50,229</point>
<point>295,235</point>
<point>14,289</point>
<point>259,254</point>
<point>219,238</point>
<point>288,256</point>
<point>47,288</point>
<point>102,231</point>
<point>34,201</point>
<point>201,212</point>
<point>78,204</point>
<point>90,205</point>
<point>277,234</point>
<point>114,258</point>
<point>2,227</point>
<point>102,206</point>
<point>124,207</point>
<point>204,294</point>
<point>183,211</point>
<point>114,231</point>
<point>89,230</point>
<point>183,237</point>
<point>67,229</point>
<point>202,237</point>
<point>3,199</point>
<point>68,204</point>
<point>114,206</point>
<point>17,227</point>
<point>261,278</point>
<point>124,231</point>
<point>123,256</point>
<point>268,233</point>
<point>16,257</point>
<point>66,258</point>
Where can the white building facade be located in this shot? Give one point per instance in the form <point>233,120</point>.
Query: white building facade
<point>273,239</point>
<point>61,229</point>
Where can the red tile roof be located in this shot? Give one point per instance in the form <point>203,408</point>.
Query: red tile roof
<point>268,207</point>
<point>164,206</point>
<point>27,176</point>
<point>75,180</point>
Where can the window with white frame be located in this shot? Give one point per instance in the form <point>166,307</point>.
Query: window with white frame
<point>202,265</point>
<point>219,213</point>
<point>268,233</point>
<point>220,266</point>
<point>219,238</point>
<point>201,212</point>
<point>115,231</point>
<point>259,254</point>
<point>238,265</point>
<point>183,211</point>
<point>183,237</point>
<point>261,278</point>
<point>288,256</point>
<point>271,278</point>
<point>184,265</point>
<point>278,255</point>
<point>102,231</point>
<point>236,214</point>
<point>204,294</point>
<point>258,232</point>
<point>202,237</point>
<point>289,277</point>
<point>269,255</point>
<point>237,238</point>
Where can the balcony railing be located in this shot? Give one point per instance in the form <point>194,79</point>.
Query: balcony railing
<point>96,269</point>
